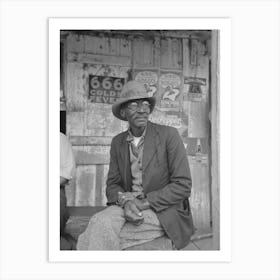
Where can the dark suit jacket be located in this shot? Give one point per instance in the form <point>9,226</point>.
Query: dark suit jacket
<point>166,178</point>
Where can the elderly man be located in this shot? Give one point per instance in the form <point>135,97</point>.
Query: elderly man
<point>148,182</point>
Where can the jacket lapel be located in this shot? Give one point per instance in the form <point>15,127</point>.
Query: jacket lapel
<point>149,146</point>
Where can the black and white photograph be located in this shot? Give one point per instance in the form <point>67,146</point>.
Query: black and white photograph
<point>139,144</point>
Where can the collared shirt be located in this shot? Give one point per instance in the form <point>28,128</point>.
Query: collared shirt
<point>136,156</point>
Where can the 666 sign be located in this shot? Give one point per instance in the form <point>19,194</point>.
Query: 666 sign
<point>104,89</point>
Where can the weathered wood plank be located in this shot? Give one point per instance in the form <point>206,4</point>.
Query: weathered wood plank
<point>75,43</point>
<point>200,197</point>
<point>92,44</point>
<point>99,59</point>
<point>125,47</point>
<point>198,34</point>
<point>143,50</point>
<point>157,53</point>
<point>198,68</point>
<point>89,155</point>
<point>90,141</point>
<point>105,176</point>
<point>113,46</point>
<point>85,185</point>
<point>75,91</point>
<point>75,123</point>
<point>99,121</point>
<point>106,70</point>
<point>198,119</point>
<point>171,53</point>
<point>99,184</point>
<point>215,140</point>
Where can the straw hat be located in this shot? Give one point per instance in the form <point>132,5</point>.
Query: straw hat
<point>132,90</point>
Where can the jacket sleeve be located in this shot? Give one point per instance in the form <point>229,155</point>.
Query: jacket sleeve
<point>179,186</point>
<point>114,184</point>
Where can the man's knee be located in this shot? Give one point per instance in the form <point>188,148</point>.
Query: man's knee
<point>109,216</point>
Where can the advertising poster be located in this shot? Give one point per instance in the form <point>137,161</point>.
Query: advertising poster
<point>194,89</point>
<point>104,89</point>
<point>169,90</point>
<point>149,79</point>
<point>166,118</point>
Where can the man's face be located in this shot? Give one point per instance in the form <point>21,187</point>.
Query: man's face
<point>137,113</point>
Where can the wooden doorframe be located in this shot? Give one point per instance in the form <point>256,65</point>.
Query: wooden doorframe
<point>215,138</point>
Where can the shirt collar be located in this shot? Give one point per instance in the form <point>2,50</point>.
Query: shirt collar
<point>130,136</point>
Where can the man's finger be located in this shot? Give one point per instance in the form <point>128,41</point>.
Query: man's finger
<point>131,216</point>
<point>135,221</point>
<point>136,210</point>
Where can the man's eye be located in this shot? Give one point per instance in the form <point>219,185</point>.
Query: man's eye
<point>133,104</point>
<point>146,103</point>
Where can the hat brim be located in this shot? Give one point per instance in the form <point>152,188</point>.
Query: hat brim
<point>116,107</point>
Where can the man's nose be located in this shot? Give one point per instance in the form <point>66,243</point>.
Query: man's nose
<point>141,109</point>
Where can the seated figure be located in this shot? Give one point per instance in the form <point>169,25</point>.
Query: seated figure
<point>148,183</point>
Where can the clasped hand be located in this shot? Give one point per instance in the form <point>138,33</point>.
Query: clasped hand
<point>132,213</point>
<point>133,208</point>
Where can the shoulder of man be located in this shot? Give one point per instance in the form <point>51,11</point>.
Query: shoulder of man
<point>119,137</point>
<point>163,129</point>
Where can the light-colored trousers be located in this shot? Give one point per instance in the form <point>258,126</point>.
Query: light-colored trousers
<point>108,230</point>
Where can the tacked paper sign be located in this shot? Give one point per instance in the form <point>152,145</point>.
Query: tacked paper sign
<point>171,118</point>
<point>165,118</point>
<point>169,90</point>
<point>194,89</point>
<point>105,70</point>
<point>149,79</point>
<point>104,89</point>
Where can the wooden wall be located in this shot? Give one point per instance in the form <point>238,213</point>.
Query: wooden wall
<point>174,66</point>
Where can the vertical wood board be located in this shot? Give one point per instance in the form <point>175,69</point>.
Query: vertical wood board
<point>143,53</point>
<point>75,123</point>
<point>85,185</point>
<point>198,70</point>
<point>215,141</point>
<point>89,155</point>
<point>198,119</point>
<point>200,197</point>
<point>75,43</point>
<point>171,53</point>
<point>75,87</point>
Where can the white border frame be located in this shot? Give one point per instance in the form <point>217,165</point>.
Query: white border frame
<point>224,26</point>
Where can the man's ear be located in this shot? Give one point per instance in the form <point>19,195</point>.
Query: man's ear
<point>122,113</point>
